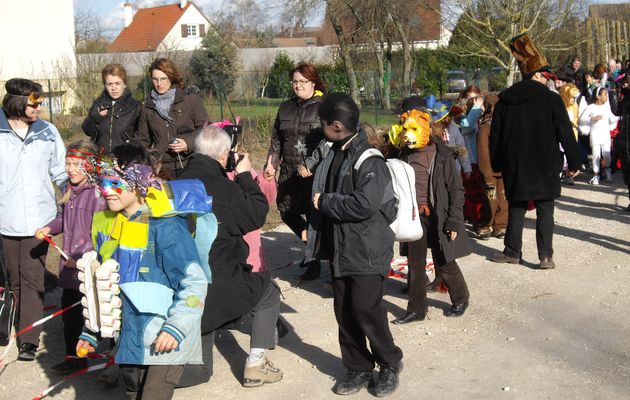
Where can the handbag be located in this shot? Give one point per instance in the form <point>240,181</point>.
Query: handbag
<point>7,303</point>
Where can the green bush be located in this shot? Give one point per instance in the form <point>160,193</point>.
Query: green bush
<point>279,81</point>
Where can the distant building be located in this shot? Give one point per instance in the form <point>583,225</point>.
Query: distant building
<point>180,26</point>
<point>38,43</point>
<point>423,24</point>
<point>297,37</point>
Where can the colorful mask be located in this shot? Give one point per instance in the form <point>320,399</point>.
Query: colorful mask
<point>114,180</point>
<point>413,131</point>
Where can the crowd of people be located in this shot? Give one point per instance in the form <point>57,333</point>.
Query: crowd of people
<point>483,158</point>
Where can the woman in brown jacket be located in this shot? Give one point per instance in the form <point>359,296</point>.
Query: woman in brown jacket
<point>170,116</point>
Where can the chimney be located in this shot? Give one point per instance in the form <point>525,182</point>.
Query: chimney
<point>128,14</point>
<point>183,3</point>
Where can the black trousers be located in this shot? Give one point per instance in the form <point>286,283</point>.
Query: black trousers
<point>152,382</point>
<point>26,259</point>
<point>72,320</point>
<point>417,278</point>
<point>544,228</point>
<point>361,315</point>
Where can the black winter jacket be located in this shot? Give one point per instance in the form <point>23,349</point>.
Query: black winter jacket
<point>118,126</point>
<point>189,115</point>
<point>239,207</point>
<point>361,210</point>
<point>296,133</point>
<point>528,125</point>
<point>446,198</point>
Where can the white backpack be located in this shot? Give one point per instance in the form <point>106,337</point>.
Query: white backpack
<point>406,226</point>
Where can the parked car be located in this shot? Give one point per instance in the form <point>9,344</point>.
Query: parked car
<point>455,81</point>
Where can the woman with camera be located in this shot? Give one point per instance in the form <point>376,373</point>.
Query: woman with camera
<point>113,117</point>
<point>170,116</point>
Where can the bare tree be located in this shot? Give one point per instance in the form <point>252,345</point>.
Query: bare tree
<point>483,28</point>
<point>90,35</point>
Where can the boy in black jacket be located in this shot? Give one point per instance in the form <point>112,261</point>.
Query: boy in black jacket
<point>355,210</point>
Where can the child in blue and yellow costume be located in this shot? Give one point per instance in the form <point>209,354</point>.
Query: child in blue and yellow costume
<point>164,272</point>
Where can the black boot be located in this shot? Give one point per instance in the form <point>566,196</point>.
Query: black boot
<point>312,272</point>
<point>353,382</point>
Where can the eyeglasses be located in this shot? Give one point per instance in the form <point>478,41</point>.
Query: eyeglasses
<point>300,82</point>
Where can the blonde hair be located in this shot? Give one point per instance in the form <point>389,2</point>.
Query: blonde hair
<point>84,146</point>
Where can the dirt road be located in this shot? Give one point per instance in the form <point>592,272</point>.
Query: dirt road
<point>528,334</point>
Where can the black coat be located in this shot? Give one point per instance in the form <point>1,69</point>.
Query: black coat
<point>296,121</point>
<point>189,115</point>
<point>360,210</point>
<point>239,207</point>
<point>118,126</point>
<point>528,125</point>
<point>446,198</point>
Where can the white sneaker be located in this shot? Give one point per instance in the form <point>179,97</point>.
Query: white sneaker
<point>595,180</point>
<point>608,175</point>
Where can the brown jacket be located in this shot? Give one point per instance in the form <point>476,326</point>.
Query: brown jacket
<point>483,141</point>
<point>189,114</point>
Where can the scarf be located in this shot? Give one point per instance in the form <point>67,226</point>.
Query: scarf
<point>163,103</point>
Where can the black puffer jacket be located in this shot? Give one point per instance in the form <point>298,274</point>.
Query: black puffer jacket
<point>296,133</point>
<point>189,115</point>
<point>118,126</point>
<point>240,207</point>
<point>360,210</point>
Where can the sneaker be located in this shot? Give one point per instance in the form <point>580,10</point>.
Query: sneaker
<point>353,382</point>
<point>608,175</point>
<point>387,380</point>
<point>69,365</point>
<point>568,180</point>
<point>498,233</point>
<point>257,375</point>
<point>595,180</point>
<point>484,232</point>
<point>27,352</point>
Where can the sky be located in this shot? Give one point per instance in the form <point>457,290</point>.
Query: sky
<point>111,11</point>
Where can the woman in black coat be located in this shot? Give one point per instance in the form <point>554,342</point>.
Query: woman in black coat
<point>113,117</point>
<point>296,133</point>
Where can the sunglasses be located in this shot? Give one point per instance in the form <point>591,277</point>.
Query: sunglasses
<point>34,101</point>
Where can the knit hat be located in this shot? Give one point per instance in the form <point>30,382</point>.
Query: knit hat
<point>412,103</point>
<point>530,59</point>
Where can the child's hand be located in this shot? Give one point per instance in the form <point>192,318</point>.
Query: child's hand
<point>41,233</point>
<point>423,209</point>
<point>165,343</point>
<point>84,348</point>
<point>304,172</point>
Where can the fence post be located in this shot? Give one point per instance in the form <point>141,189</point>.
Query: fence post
<point>50,100</point>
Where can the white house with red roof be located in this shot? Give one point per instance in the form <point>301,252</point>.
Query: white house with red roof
<point>179,26</point>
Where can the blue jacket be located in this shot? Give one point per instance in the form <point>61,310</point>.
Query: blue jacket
<point>163,286</point>
<point>27,170</point>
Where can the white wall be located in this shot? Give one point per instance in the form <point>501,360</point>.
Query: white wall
<point>34,36</point>
<point>174,39</point>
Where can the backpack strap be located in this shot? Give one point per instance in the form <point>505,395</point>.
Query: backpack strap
<point>371,152</point>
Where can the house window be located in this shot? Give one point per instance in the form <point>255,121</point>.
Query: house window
<point>193,30</point>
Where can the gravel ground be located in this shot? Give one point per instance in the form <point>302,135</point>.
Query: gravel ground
<point>528,334</point>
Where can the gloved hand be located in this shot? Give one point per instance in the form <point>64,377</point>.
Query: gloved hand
<point>423,209</point>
